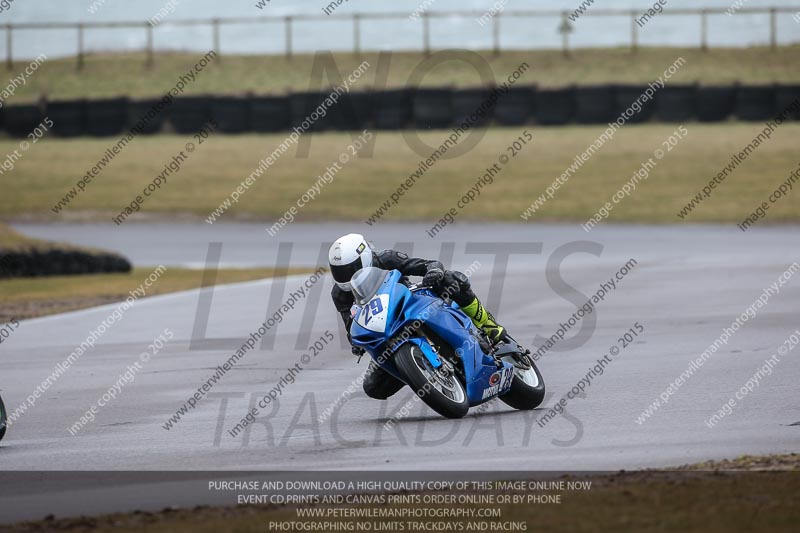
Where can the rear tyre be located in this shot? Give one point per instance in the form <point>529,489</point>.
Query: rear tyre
<point>444,393</point>
<point>527,387</point>
<point>2,419</point>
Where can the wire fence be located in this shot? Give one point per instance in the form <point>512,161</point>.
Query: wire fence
<point>360,21</point>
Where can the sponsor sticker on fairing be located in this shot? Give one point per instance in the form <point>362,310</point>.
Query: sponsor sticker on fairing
<point>499,382</point>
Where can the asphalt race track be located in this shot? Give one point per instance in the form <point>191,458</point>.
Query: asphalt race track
<point>688,284</point>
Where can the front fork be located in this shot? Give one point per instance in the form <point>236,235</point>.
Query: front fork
<point>430,352</point>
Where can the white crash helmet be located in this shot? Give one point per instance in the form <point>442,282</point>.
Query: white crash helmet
<point>348,255</point>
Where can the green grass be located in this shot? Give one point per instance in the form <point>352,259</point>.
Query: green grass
<point>30,297</point>
<point>13,240</point>
<point>212,172</point>
<point>107,75</point>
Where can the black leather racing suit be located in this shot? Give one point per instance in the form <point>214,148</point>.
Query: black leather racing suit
<point>378,383</point>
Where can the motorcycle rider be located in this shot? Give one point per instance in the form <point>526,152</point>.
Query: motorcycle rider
<point>352,252</point>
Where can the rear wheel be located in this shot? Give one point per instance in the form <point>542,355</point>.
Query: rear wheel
<point>2,419</point>
<point>441,390</point>
<point>527,387</point>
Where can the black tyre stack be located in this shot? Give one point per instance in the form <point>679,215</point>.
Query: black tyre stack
<point>68,116</point>
<point>20,120</point>
<point>555,107</point>
<point>677,103</point>
<point>393,109</point>
<point>106,117</point>
<point>190,114</point>
<point>715,104</point>
<point>270,114</point>
<point>35,263</point>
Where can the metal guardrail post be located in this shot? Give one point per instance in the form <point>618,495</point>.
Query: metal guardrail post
<point>288,37</point>
<point>216,49</point>
<point>80,46</point>
<point>496,34</point>
<point>9,48</point>
<point>704,30</point>
<point>565,28</point>
<point>426,33</point>
<point>357,34</point>
<point>149,50</point>
<point>773,28</point>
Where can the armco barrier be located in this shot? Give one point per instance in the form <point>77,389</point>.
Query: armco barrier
<point>755,102</point>
<point>69,117</point>
<point>433,108</point>
<point>190,113</point>
<point>270,114</point>
<point>232,114</point>
<point>715,104</point>
<point>392,109</point>
<point>106,117</point>
<point>515,107</point>
<point>145,111</point>
<point>595,105</point>
<point>625,96</point>
<point>676,103</point>
<point>466,102</point>
<point>555,107</point>
<point>785,96</point>
<point>21,119</point>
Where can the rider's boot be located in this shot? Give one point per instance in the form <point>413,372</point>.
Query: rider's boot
<point>484,320</point>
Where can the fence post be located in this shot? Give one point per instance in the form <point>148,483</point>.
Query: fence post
<point>565,28</point>
<point>357,34</point>
<point>704,30</point>
<point>288,37</point>
<point>496,34</point>
<point>773,28</point>
<point>426,33</point>
<point>634,32</point>
<point>80,46</point>
<point>215,23</point>
<point>9,49</point>
<point>149,28</point>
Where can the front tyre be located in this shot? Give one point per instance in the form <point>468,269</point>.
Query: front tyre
<point>444,393</point>
<point>2,419</point>
<point>527,387</point>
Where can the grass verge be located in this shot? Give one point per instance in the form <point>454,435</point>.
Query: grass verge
<point>108,75</point>
<point>216,168</point>
<point>746,494</point>
<point>31,297</point>
<point>22,256</point>
<point>11,240</point>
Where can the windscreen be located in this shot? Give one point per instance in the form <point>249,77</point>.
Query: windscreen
<point>366,282</point>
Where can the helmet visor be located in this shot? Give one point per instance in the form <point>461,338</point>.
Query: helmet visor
<point>342,274</point>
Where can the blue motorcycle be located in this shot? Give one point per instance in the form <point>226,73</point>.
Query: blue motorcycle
<point>429,344</point>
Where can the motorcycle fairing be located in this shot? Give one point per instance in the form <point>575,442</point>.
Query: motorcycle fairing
<point>395,306</point>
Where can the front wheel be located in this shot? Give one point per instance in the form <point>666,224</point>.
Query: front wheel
<point>442,392</point>
<point>527,387</point>
<point>2,419</point>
